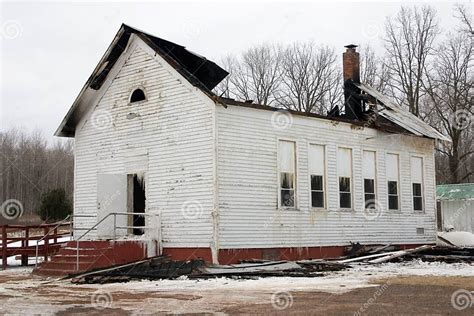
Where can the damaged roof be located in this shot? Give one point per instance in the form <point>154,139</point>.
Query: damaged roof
<point>198,70</point>
<point>401,117</point>
<point>205,75</point>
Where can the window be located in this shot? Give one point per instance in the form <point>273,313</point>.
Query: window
<point>416,164</point>
<point>392,195</point>
<point>137,96</point>
<point>344,192</point>
<point>287,169</point>
<point>316,173</point>
<point>392,181</point>
<point>368,172</point>
<point>344,169</point>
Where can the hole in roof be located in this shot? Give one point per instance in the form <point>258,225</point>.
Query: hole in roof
<point>137,96</point>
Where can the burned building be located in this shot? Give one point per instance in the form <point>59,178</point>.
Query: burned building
<point>226,180</point>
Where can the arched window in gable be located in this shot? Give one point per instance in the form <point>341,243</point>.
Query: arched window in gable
<point>137,95</point>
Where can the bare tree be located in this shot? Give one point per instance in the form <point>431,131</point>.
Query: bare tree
<point>461,13</point>
<point>256,75</point>
<point>409,42</point>
<point>309,74</point>
<point>450,87</point>
<point>373,69</point>
<point>225,88</point>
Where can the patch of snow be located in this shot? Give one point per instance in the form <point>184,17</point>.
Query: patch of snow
<point>460,239</point>
<point>415,267</point>
<point>14,262</point>
<point>33,242</point>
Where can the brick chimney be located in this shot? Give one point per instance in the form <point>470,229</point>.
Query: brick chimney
<point>351,72</point>
<point>350,63</point>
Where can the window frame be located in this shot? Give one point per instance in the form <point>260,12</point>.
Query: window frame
<point>375,193</point>
<point>371,193</point>
<point>350,192</point>
<point>398,182</point>
<point>351,177</point>
<point>422,184</point>
<point>324,175</point>
<point>295,195</point>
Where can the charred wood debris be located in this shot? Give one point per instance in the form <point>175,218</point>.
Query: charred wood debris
<point>162,267</point>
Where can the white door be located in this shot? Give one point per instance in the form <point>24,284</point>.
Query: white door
<point>111,198</point>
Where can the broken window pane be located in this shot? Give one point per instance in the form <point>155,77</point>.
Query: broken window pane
<point>369,185</point>
<point>392,187</point>
<point>287,180</point>
<point>344,184</point>
<point>288,198</point>
<point>287,171</point>
<point>316,183</point>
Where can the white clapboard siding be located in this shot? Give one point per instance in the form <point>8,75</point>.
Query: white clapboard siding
<point>169,137</point>
<point>248,187</point>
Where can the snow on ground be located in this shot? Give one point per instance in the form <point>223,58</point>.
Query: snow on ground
<point>17,244</point>
<point>333,282</point>
<point>30,294</point>
<point>417,267</point>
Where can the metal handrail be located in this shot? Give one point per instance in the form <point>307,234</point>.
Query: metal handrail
<point>61,223</point>
<point>115,227</point>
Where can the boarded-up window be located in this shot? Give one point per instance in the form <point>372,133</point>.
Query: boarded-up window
<point>316,172</point>
<point>344,170</point>
<point>369,172</point>
<point>416,164</point>
<point>392,181</point>
<point>287,170</point>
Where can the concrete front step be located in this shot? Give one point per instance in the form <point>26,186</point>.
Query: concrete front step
<point>92,255</point>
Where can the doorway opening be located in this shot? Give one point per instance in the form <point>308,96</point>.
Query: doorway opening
<point>136,204</point>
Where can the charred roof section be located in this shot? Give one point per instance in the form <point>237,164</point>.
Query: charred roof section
<point>198,70</point>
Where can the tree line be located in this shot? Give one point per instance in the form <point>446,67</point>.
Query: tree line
<point>30,167</point>
<point>422,68</point>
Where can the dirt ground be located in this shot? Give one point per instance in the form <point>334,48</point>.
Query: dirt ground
<point>409,295</point>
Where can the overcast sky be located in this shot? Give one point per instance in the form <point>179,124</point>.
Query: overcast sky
<point>49,49</point>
